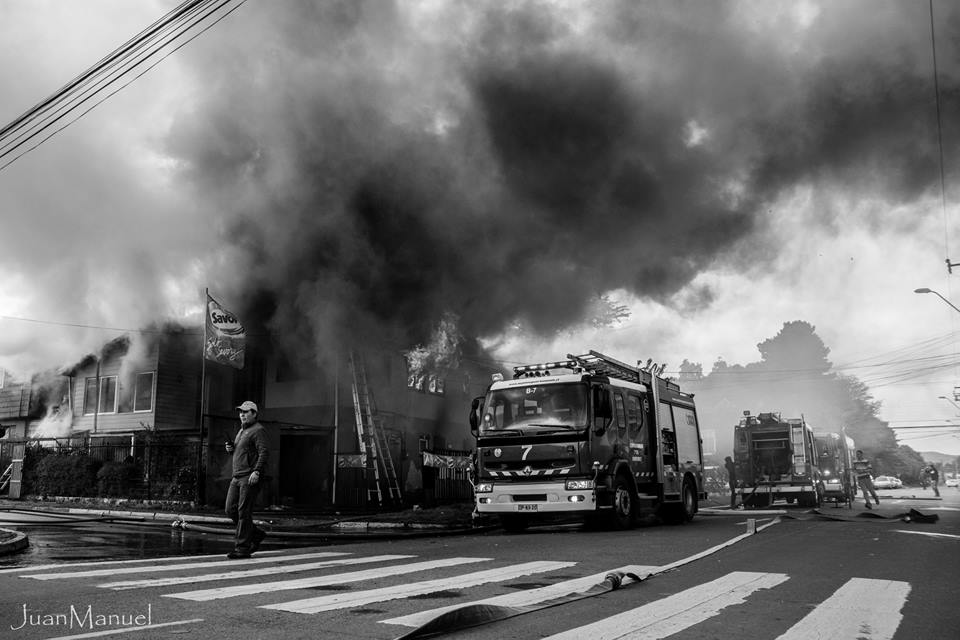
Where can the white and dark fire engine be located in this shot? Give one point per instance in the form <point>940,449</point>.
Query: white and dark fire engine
<point>776,459</point>
<point>588,435</point>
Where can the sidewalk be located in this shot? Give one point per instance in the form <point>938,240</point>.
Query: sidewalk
<point>283,524</point>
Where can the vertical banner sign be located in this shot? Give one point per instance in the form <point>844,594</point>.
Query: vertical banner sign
<point>225,336</point>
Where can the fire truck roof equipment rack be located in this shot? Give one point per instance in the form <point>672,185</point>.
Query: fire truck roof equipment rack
<point>596,363</point>
<point>607,366</point>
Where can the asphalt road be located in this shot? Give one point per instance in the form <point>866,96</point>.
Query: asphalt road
<point>800,576</point>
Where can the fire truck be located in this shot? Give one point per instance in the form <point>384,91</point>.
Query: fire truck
<point>588,436</point>
<point>776,459</point>
<point>836,451</point>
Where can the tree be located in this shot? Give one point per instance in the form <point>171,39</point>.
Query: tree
<point>797,347</point>
<point>794,378</point>
<point>603,312</point>
<point>690,371</point>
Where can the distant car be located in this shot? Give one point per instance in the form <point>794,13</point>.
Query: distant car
<point>952,482</point>
<point>887,482</point>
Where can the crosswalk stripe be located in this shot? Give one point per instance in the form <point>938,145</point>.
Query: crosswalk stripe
<point>523,598</point>
<point>932,534</point>
<point>344,600</point>
<point>861,607</point>
<point>230,575</point>
<point>113,632</point>
<point>93,563</point>
<point>303,583</point>
<point>93,573</point>
<point>675,613</point>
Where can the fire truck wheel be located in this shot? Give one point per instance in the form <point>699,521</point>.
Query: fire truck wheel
<point>683,511</point>
<point>689,507</point>
<point>624,503</point>
<point>513,523</point>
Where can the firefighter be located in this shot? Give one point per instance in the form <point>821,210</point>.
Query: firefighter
<point>934,476</point>
<point>731,480</point>
<point>865,478</point>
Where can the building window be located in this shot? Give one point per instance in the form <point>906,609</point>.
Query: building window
<point>435,384</point>
<point>415,381</point>
<point>143,393</point>
<point>90,397</point>
<point>103,402</point>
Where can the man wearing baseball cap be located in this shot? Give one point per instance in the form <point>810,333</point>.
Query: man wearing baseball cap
<point>249,449</point>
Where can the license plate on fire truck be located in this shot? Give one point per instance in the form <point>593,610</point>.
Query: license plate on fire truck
<point>526,507</point>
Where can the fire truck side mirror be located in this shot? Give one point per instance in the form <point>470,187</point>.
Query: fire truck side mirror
<point>475,408</point>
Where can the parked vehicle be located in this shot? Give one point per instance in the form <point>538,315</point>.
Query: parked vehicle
<point>887,482</point>
<point>952,481</point>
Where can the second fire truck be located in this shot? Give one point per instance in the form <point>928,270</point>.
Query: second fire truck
<point>776,459</point>
<point>588,435</point>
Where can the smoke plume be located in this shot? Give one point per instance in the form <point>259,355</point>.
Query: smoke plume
<point>361,170</point>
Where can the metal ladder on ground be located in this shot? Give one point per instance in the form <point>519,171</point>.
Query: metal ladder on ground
<point>373,440</point>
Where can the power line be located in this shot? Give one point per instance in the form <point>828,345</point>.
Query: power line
<point>84,326</point>
<point>34,123</point>
<point>927,427</point>
<point>936,93</point>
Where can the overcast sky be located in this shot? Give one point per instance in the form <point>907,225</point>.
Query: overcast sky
<point>336,169</point>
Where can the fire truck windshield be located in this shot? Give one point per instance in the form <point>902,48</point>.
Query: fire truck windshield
<point>536,407</point>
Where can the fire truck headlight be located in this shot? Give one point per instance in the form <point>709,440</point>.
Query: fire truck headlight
<point>579,485</point>
<point>483,487</point>
<point>833,481</point>
<point>826,472</point>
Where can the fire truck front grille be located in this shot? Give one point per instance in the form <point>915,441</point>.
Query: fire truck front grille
<point>536,465</point>
<point>533,497</point>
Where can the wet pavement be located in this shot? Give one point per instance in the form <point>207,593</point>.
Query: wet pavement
<point>87,541</point>
<point>59,535</point>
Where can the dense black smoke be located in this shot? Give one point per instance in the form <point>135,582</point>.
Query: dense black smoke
<point>378,165</point>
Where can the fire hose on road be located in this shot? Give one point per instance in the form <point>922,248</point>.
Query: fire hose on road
<point>487,611</point>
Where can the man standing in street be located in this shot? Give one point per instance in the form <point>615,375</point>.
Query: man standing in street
<point>249,449</point>
<point>731,480</point>
<point>864,471</point>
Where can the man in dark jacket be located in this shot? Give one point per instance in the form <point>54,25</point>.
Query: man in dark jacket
<point>249,449</point>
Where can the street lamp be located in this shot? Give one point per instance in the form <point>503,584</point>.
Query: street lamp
<point>950,401</point>
<point>926,290</point>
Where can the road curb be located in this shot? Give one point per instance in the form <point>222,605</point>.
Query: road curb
<point>19,542</point>
<point>177,520</point>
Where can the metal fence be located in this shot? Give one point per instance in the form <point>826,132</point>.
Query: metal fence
<point>147,467</point>
<point>444,476</point>
<point>134,467</point>
<point>449,481</point>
